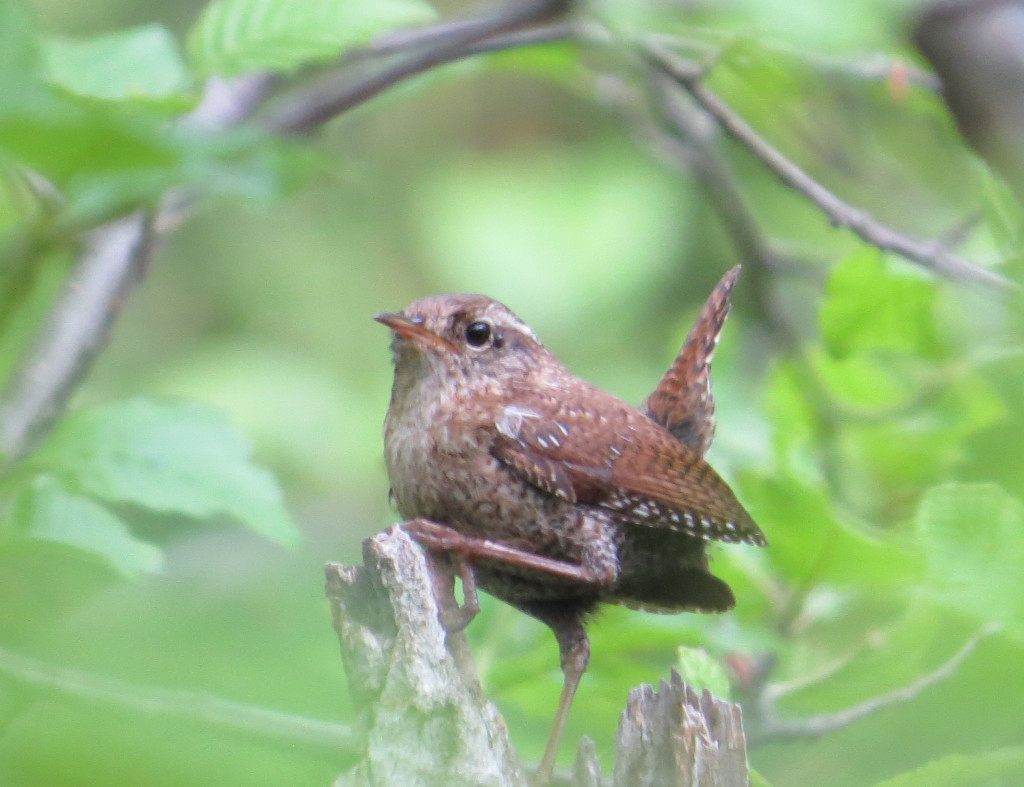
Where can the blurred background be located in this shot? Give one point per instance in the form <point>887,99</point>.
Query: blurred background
<point>867,411</point>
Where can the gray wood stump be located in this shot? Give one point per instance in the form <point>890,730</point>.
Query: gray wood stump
<point>425,721</point>
<point>675,736</point>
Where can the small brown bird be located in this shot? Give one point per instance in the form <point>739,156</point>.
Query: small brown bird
<point>549,493</point>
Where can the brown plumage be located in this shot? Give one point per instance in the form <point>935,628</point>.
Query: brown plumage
<point>683,402</point>
<point>637,470</point>
<point>551,493</point>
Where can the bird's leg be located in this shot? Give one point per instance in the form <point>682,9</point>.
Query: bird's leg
<point>446,539</point>
<point>565,617</point>
<point>454,617</point>
<point>574,647</point>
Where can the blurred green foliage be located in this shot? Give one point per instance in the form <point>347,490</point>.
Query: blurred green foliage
<point>868,414</point>
<point>234,36</point>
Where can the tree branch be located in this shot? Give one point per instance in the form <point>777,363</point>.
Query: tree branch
<point>773,728</point>
<point>336,92</point>
<point>73,332</point>
<point>841,214</point>
<point>404,40</point>
<point>690,143</point>
<point>712,44</point>
<point>189,706</point>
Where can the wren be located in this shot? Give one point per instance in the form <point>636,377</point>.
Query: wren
<point>549,493</point>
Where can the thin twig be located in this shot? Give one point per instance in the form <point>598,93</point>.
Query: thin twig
<point>693,143</point>
<point>405,40</point>
<point>544,34</point>
<point>685,137</point>
<point>773,691</point>
<point>335,93</point>
<point>776,729</point>
<point>879,67</point>
<point>75,330</point>
<point>190,706</point>
<point>841,214</point>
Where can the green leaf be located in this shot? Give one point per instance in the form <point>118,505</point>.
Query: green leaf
<point>232,36</point>
<point>702,672</point>
<point>955,770</point>
<point>107,158</point>
<point>69,142</point>
<point>45,512</point>
<point>862,381</point>
<point>923,445</point>
<point>870,307</point>
<point>177,457</point>
<point>110,156</point>
<point>795,424</point>
<point>972,537</point>
<point>759,81</point>
<point>244,163</point>
<point>141,62</point>
<point>809,542</point>
<point>559,61</point>
<point>853,664</point>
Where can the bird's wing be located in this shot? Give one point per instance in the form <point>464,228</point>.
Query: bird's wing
<point>636,469</point>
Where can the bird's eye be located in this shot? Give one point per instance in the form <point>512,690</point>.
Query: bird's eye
<point>478,333</point>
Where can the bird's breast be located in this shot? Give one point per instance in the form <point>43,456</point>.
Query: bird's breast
<point>435,454</point>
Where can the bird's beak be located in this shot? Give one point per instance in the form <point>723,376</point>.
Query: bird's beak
<point>415,332</point>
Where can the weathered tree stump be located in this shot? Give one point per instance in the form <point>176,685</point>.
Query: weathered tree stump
<point>425,721</point>
<point>675,736</point>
